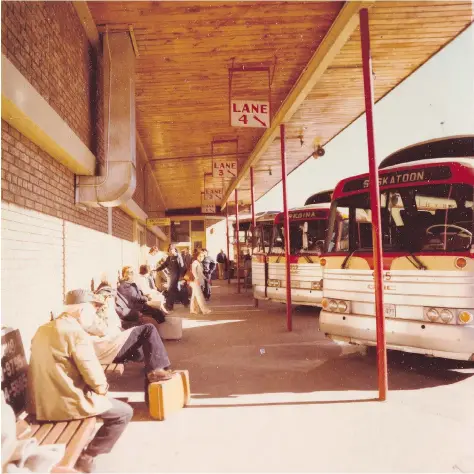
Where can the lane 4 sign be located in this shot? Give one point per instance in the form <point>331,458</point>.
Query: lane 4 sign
<point>250,113</point>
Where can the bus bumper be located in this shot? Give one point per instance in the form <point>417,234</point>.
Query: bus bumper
<point>421,337</point>
<point>298,295</point>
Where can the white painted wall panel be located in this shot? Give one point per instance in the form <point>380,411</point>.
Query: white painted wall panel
<point>32,268</point>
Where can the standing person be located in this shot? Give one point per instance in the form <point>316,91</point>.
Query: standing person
<point>198,303</point>
<point>135,299</point>
<point>153,257</point>
<point>187,258</point>
<point>248,270</point>
<point>175,265</point>
<point>208,267</point>
<point>67,380</point>
<point>221,264</point>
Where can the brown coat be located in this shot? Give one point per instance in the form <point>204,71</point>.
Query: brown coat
<point>66,379</point>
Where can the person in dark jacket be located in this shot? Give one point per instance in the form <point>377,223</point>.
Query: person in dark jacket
<point>176,288</point>
<point>135,299</point>
<point>208,267</point>
<point>221,264</point>
<point>129,317</point>
<point>187,258</point>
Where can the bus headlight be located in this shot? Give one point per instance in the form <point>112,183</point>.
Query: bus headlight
<point>274,283</point>
<point>446,316</point>
<point>324,303</point>
<point>317,285</point>
<point>432,314</point>
<point>332,306</point>
<point>342,306</point>
<point>465,317</point>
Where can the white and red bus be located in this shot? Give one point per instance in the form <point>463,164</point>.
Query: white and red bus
<point>427,194</point>
<point>308,227</point>
<point>263,234</point>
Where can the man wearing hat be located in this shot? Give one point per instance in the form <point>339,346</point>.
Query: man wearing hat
<point>66,377</point>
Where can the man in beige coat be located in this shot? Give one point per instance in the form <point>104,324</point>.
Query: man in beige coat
<point>67,381</point>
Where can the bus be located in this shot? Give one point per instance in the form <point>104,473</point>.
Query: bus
<point>263,233</point>
<point>426,199</point>
<point>308,227</point>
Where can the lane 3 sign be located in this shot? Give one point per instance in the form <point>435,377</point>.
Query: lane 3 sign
<point>250,113</point>
<point>224,168</point>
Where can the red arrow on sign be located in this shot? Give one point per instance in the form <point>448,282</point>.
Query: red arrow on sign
<point>258,120</point>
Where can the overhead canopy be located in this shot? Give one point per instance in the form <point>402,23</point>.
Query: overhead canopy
<point>310,52</point>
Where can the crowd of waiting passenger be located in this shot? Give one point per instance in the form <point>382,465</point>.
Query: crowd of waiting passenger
<point>113,325</point>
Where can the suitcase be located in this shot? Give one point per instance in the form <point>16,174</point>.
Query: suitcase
<point>169,396</point>
<point>171,329</point>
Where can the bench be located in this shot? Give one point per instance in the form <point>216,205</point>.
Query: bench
<point>113,369</point>
<point>74,434</point>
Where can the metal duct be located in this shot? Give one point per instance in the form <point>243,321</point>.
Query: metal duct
<point>116,182</point>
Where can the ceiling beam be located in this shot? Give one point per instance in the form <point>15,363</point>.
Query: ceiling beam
<point>341,30</point>
<point>88,23</point>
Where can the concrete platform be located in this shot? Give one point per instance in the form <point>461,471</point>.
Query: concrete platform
<point>267,400</point>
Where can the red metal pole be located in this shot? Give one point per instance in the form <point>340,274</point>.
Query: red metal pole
<point>286,226</point>
<point>252,197</point>
<point>254,223</point>
<point>374,204</point>
<point>228,246</point>
<point>238,241</point>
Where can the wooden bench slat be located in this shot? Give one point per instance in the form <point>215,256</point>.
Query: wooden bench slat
<point>79,440</point>
<point>119,369</point>
<point>55,433</point>
<point>68,433</point>
<point>43,432</point>
<point>23,430</point>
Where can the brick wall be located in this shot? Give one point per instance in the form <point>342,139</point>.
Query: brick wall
<point>47,44</point>
<point>122,225</point>
<point>34,180</point>
<point>150,239</point>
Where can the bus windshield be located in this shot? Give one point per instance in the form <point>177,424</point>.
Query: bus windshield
<point>428,218</point>
<point>305,236</point>
<point>264,236</point>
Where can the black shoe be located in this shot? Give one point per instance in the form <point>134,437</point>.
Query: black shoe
<point>85,463</point>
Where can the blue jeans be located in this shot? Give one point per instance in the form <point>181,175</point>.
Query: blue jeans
<point>144,344</point>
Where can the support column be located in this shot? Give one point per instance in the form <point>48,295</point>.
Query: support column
<point>286,227</point>
<point>238,241</point>
<point>254,223</point>
<point>252,197</point>
<point>228,245</point>
<point>374,204</point>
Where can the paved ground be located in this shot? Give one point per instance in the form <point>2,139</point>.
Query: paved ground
<point>267,400</point>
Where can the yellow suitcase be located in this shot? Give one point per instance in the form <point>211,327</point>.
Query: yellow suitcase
<point>169,396</point>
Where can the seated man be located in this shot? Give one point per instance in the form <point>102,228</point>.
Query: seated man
<point>146,284</point>
<point>135,299</point>
<point>67,381</point>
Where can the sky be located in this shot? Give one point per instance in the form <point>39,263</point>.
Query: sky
<point>435,101</point>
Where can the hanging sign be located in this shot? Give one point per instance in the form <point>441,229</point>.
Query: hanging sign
<point>159,221</point>
<point>224,168</point>
<point>208,208</point>
<point>250,113</point>
<point>213,194</point>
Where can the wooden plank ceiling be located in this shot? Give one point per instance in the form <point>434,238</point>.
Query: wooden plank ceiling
<point>186,48</point>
